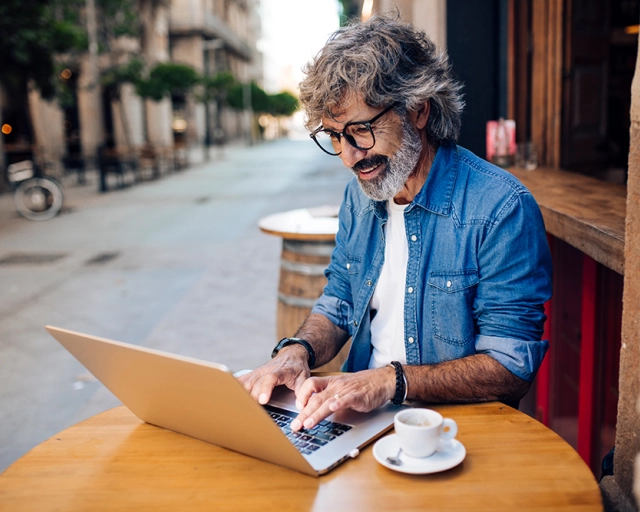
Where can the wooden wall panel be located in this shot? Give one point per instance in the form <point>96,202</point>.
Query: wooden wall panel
<point>546,77</point>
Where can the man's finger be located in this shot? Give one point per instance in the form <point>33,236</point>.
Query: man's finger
<point>248,380</point>
<point>262,389</point>
<point>310,387</point>
<point>316,411</point>
<point>341,402</point>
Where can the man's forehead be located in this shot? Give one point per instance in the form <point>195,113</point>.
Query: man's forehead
<point>350,108</point>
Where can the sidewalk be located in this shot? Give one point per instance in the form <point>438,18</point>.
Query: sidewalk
<point>76,195</point>
<point>176,264</point>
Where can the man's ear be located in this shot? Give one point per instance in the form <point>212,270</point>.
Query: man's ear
<point>421,116</point>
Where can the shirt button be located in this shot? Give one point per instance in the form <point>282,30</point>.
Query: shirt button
<point>411,340</point>
<point>369,282</point>
<point>414,238</point>
<point>355,323</point>
<point>448,284</point>
<point>410,290</point>
<point>348,266</point>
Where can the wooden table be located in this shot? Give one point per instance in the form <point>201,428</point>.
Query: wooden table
<point>306,224</point>
<point>114,461</point>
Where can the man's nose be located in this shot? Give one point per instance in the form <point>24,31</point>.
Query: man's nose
<point>350,156</point>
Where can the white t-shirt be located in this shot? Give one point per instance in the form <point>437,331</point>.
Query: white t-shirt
<point>387,327</point>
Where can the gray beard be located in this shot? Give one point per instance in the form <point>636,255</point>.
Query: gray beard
<point>398,167</point>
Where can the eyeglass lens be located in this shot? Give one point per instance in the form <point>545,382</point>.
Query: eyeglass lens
<point>359,135</point>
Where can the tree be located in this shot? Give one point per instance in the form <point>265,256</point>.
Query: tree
<point>215,89</point>
<point>279,105</point>
<point>112,80</point>
<point>259,98</point>
<point>116,19</point>
<point>284,104</point>
<point>168,78</point>
<point>349,10</point>
<point>37,34</point>
<point>32,32</point>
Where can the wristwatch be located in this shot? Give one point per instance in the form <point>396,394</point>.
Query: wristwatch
<point>292,341</point>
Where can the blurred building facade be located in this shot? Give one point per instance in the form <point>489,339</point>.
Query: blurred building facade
<point>209,35</point>
<point>213,36</point>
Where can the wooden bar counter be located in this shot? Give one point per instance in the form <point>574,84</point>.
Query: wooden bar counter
<point>115,462</point>
<point>587,213</point>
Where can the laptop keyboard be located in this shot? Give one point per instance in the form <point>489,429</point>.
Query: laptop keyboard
<point>306,441</point>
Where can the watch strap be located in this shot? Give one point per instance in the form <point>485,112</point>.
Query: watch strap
<point>299,341</point>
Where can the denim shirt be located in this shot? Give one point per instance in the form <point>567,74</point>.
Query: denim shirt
<point>479,268</point>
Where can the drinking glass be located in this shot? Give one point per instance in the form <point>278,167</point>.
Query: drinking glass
<point>526,156</point>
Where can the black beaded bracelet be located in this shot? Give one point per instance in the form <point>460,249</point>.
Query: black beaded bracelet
<point>401,384</point>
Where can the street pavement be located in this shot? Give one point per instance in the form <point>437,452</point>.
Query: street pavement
<point>175,264</point>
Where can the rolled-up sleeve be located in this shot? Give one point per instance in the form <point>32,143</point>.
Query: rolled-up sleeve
<point>514,284</point>
<point>336,301</point>
<point>522,358</point>
<point>334,309</point>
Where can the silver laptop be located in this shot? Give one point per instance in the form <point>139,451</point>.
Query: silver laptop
<point>204,400</point>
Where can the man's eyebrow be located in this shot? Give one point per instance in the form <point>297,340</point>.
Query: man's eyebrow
<point>330,128</point>
<point>355,121</point>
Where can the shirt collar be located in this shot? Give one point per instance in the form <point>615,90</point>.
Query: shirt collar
<point>437,192</point>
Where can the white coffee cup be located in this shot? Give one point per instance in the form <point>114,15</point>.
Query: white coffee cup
<point>421,431</point>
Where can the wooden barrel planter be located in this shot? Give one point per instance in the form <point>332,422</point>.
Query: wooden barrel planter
<point>302,280</point>
<point>308,241</point>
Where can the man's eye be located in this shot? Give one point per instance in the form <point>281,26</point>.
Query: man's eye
<point>359,130</point>
<point>332,135</point>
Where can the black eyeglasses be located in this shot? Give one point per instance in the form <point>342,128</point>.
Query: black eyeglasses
<point>357,133</point>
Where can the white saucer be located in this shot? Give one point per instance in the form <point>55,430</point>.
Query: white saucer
<point>441,460</point>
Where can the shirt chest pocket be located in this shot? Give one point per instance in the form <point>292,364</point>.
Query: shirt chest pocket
<point>452,296</point>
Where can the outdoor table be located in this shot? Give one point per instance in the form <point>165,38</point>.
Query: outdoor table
<point>115,462</point>
<point>308,239</point>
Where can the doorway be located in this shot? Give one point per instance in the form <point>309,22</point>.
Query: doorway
<point>600,47</point>
<point>571,64</point>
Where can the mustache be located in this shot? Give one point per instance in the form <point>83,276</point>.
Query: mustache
<point>367,163</point>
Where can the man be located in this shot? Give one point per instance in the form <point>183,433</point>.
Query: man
<point>441,267</point>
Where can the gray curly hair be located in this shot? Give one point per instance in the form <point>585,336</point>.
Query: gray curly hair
<point>385,61</point>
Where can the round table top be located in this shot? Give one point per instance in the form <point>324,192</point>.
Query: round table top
<point>319,224</point>
<point>114,461</point>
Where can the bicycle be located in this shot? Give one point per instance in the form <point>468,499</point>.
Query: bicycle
<point>37,196</point>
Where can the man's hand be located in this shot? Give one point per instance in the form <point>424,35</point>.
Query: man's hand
<point>363,391</point>
<point>290,368</point>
